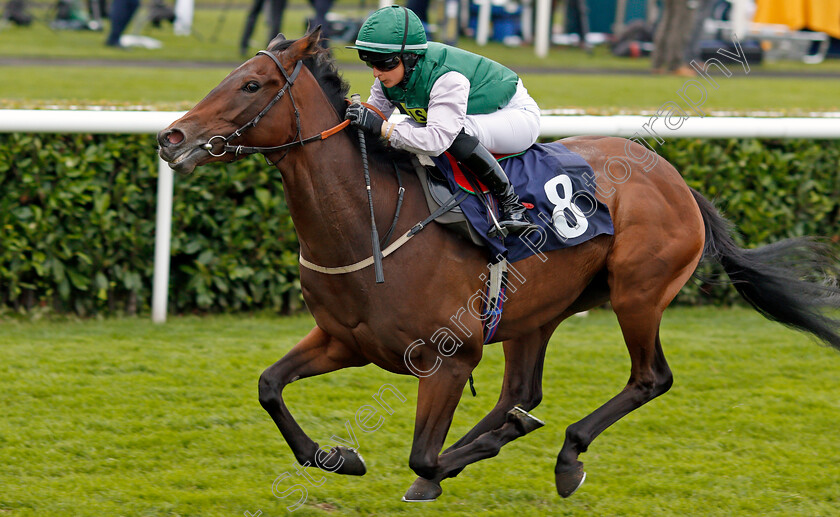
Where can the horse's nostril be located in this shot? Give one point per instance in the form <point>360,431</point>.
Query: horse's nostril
<point>175,137</point>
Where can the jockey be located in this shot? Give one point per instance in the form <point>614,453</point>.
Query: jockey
<point>458,101</point>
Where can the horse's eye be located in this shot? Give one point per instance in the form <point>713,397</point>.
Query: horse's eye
<point>251,87</point>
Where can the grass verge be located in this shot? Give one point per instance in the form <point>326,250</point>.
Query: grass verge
<point>122,417</point>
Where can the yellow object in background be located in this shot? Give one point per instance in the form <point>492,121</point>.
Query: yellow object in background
<point>817,15</point>
<point>782,12</point>
<point>824,16</point>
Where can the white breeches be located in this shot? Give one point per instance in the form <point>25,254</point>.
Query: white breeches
<point>511,129</point>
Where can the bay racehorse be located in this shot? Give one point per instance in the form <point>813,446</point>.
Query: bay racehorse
<point>289,103</point>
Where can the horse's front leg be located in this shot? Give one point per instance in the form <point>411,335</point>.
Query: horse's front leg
<point>521,387</point>
<point>317,353</point>
<point>509,419</point>
<point>437,397</point>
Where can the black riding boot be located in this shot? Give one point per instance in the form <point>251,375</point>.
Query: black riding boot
<point>469,151</point>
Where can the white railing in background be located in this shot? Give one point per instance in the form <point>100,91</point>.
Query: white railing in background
<point>552,126</point>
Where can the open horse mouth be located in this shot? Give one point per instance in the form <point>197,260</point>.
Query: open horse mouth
<point>186,161</point>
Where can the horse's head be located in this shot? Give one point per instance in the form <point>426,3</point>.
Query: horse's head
<point>229,114</point>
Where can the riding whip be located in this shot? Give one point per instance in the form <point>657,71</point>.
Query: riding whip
<point>374,235</point>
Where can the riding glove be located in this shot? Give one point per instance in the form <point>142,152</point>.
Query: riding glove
<point>365,118</point>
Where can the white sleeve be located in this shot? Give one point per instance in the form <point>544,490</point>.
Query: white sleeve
<point>445,118</point>
<point>377,98</point>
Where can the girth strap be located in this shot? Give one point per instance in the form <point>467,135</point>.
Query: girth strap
<point>451,203</point>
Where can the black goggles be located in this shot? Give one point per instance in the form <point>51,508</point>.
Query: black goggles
<point>386,65</point>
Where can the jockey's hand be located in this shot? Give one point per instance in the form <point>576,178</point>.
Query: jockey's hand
<point>365,118</point>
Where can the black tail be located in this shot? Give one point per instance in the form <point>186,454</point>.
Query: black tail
<point>780,280</point>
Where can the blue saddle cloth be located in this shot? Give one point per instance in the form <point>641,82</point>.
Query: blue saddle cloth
<point>560,186</point>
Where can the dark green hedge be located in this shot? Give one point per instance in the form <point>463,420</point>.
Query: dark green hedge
<point>770,190</point>
<point>77,219</point>
<point>77,216</point>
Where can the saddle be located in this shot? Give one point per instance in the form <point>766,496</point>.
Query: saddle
<point>437,192</point>
<point>552,182</point>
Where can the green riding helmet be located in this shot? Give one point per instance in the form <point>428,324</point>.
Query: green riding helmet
<point>390,30</point>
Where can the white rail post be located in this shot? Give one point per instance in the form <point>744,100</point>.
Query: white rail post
<point>184,10</point>
<point>527,20</point>
<point>739,18</point>
<point>482,29</point>
<point>542,34</point>
<point>163,232</point>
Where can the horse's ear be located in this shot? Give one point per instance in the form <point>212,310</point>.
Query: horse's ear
<point>305,46</point>
<point>276,40</point>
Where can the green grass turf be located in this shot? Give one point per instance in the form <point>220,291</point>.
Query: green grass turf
<point>168,88</point>
<point>30,85</point>
<point>122,417</point>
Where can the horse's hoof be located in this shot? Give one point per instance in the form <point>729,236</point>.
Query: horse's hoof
<point>525,422</point>
<point>569,480</point>
<point>422,491</point>
<point>353,464</point>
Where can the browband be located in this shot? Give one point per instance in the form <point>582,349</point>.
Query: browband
<point>289,79</point>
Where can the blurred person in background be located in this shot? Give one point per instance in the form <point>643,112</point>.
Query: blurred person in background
<point>322,7</point>
<point>671,38</point>
<point>275,21</point>
<point>702,9</point>
<point>677,39</point>
<point>121,13</point>
<point>420,8</point>
<point>15,11</point>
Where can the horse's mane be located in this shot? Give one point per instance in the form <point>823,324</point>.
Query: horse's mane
<point>322,66</point>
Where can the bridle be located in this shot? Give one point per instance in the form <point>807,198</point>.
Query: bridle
<point>298,139</point>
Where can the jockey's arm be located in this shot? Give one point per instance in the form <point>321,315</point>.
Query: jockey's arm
<point>444,119</point>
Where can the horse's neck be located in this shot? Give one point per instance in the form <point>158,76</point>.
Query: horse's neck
<point>327,199</point>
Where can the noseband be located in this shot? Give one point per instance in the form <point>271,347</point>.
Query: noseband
<point>297,141</point>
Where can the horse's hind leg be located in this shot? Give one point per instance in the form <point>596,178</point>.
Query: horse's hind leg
<point>649,378</point>
<point>641,287</point>
<point>317,353</point>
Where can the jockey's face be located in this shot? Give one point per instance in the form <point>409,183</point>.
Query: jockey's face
<point>390,78</point>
